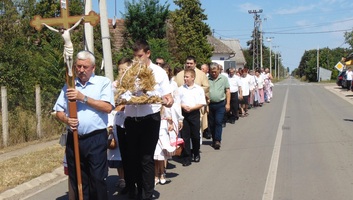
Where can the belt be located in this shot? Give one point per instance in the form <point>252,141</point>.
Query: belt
<point>84,136</point>
<point>217,102</point>
<point>138,119</point>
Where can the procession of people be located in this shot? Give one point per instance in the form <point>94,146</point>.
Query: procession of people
<point>176,111</point>
<point>222,97</point>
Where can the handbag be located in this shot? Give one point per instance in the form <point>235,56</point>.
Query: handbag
<point>179,148</point>
<point>63,139</point>
<point>112,143</point>
<point>178,144</point>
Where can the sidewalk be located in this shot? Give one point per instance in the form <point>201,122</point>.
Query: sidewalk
<point>34,185</point>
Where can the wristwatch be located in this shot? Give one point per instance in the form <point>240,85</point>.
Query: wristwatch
<point>85,99</point>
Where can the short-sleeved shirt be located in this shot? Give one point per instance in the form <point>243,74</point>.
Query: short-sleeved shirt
<point>218,87</point>
<point>259,82</point>
<point>90,119</point>
<point>234,83</point>
<point>161,88</point>
<point>192,95</point>
<point>349,75</point>
<point>245,87</point>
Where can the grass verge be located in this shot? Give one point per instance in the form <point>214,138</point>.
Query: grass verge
<point>21,169</point>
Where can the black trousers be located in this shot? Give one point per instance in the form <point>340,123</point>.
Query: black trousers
<point>94,165</point>
<point>121,133</point>
<point>191,129</point>
<point>233,113</point>
<point>142,135</point>
<point>234,106</point>
<point>349,85</point>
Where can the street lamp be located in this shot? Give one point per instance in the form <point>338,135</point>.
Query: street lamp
<point>269,39</point>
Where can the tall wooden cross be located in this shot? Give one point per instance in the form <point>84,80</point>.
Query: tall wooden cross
<point>65,20</point>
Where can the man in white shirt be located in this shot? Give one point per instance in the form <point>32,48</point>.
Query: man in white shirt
<point>142,125</point>
<point>235,95</point>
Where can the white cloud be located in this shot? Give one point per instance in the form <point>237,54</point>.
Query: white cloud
<point>248,6</point>
<point>295,10</point>
<point>303,23</point>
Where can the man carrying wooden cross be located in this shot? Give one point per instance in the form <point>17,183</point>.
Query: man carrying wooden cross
<point>83,110</point>
<point>94,98</point>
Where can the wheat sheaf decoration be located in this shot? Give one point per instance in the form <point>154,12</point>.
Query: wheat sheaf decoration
<point>136,85</point>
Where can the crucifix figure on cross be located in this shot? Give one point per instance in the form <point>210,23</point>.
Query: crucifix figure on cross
<point>64,22</point>
<point>68,46</point>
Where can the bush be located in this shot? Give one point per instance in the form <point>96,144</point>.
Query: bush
<point>23,127</point>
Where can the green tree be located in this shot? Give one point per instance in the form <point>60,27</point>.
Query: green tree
<point>190,32</point>
<point>29,57</point>
<point>328,58</point>
<point>16,71</point>
<point>146,19</point>
<point>348,36</point>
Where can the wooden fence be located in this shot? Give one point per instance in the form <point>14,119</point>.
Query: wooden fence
<point>5,115</point>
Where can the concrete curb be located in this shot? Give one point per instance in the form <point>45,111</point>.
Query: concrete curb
<point>42,181</point>
<point>341,93</point>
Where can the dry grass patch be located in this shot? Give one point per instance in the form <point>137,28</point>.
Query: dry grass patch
<point>21,169</point>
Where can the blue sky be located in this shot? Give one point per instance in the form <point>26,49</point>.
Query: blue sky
<point>295,26</point>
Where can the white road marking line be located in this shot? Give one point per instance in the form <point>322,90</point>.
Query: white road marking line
<point>272,172</point>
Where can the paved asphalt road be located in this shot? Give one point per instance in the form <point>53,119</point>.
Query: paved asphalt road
<point>298,147</point>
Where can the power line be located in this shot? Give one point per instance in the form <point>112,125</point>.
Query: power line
<point>301,33</point>
<point>289,28</point>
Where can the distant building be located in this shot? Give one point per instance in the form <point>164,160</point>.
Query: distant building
<point>227,52</point>
<point>239,57</point>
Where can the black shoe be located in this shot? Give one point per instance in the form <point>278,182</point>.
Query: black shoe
<point>217,145</point>
<point>186,162</point>
<point>197,158</point>
<point>232,122</point>
<point>206,134</point>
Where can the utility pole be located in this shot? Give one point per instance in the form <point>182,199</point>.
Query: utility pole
<point>279,57</point>
<point>269,39</point>
<point>257,38</point>
<point>107,51</point>
<point>261,59</point>
<point>275,61</point>
<point>89,45</point>
<point>317,65</point>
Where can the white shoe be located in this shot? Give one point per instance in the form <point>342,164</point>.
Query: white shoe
<point>163,180</point>
<point>156,181</point>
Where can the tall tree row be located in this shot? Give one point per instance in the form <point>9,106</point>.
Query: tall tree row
<point>328,58</point>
